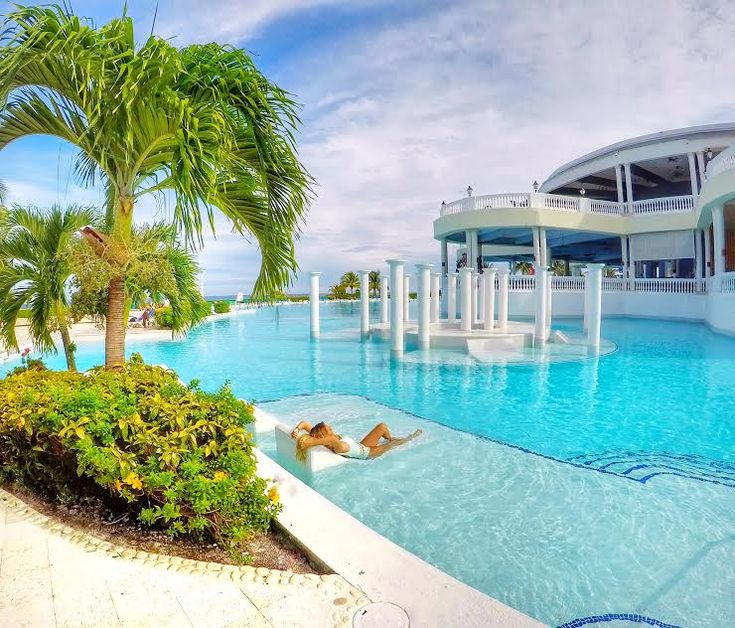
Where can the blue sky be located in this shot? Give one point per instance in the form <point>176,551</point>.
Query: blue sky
<point>405,104</point>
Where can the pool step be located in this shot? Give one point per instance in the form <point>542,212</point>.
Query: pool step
<point>501,346</point>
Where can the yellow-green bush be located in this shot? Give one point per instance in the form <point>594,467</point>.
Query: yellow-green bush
<point>172,455</point>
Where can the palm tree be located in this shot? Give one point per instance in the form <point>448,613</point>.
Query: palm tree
<point>559,267</point>
<point>199,125</point>
<point>374,282</point>
<point>158,267</point>
<point>35,253</point>
<point>524,267</point>
<point>350,281</point>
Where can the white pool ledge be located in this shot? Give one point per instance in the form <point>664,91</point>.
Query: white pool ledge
<point>383,570</point>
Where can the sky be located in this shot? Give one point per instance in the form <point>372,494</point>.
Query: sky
<point>405,104</point>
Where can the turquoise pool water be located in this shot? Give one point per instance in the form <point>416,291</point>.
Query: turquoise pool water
<point>567,490</point>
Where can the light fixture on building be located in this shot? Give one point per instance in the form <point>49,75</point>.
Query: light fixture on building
<point>582,191</point>
<point>710,154</point>
<point>469,190</point>
<point>535,186</point>
<point>443,204</point>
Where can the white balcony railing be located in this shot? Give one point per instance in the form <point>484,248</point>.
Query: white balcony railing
<point>724,161</point>
<point>558,202</point>
<point>669,285</point>
<point>666,285</point>
<point>727,284</point>
<point>665,205</point>
<point>571,284</point>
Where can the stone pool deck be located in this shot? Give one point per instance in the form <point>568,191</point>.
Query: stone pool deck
<point>51,575</point>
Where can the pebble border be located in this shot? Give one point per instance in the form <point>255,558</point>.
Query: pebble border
<point>347,599</point>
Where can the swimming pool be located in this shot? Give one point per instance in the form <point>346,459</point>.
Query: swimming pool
<point>596,488</point>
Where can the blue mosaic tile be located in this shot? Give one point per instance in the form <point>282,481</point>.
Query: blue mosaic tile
<point>632,617</point>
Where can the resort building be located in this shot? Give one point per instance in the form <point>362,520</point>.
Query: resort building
<point>657,210</point>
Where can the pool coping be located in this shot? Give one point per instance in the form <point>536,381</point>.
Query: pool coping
<point>384,571</point>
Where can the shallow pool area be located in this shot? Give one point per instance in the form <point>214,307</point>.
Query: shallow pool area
<point>599,487</point>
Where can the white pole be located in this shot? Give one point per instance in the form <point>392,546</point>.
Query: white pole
<point>548,305</point>
<point>452,297</point>
<point>465,307</point>
<point>594,277</point>
<point>364,302</point>
<point>481,298</point>
<point>383,299</point>
<point>539,332</point>
<point>707,253</point>
<point>503,298</point>
<point>693,176</point>
<point>396,306</point>
<point>474,297</point>
<point>424,289</point>
<point>406,296</point>
<point>697,253</point>
<point>435,298</point>
<point>718,228</point>
<point>629,187</point>
<point>489,290</point>
<point>314,303</point>
<point>586,306</point>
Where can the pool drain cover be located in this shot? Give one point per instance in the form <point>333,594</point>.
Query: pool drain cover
<point>381,615</point>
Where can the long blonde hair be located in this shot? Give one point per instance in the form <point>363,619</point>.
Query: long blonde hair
<point>314,432</point>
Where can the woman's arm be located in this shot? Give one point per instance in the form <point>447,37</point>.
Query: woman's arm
<point>303,425</point>
<point>328,441</point>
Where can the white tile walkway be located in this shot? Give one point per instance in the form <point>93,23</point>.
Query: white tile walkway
<point>51,575</point>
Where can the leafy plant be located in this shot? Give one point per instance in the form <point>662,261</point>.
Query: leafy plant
<point>374,282</point>
<point>200,123</point>
<point>171,455</point>
<point>350,281</point>
<point>221,307</point>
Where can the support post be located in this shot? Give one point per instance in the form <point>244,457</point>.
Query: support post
<point>539,332</point>
<point>473,296</point>
<point>314,303</point>
<point>543,249</point>
<point>693,176</point>
<point>435,296</point>
<point>406,296</point>
<point>489,290</point>
<point>396,306</point>
<point>718,226</point>
<point>452,297</point>
<point>586,306</point>
<point>700,164</point>
<point>707,253</point>
<point>697,234</point>
<point>619,184</point>
<point>594,277</point>
<point>503,298</point>
<point>629,187</point>
<point>624,255</point>
<point>383,299</point>
<point>547,332</point>
<point>480,297</point>
<point>445,256</point>
<point>424,317</point>
<point>631,264</point>
<point>465,287</point>
<point>364,302</point>
<point>536,246</point>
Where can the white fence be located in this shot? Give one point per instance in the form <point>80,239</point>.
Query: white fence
<point>606,207</point>
<point>669,286</point>
<point>724,161</point>
<point>665,205</point>
<point>526,283</point>
<point>728,282</point>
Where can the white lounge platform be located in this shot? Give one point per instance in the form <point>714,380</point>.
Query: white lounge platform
<point>450,336</point>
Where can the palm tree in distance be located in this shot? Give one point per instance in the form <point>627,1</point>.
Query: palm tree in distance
<point>374,282</point>
<point>350,281</point>
<point>199,125</point>
<point>35,253</point>
<point>524,267</point>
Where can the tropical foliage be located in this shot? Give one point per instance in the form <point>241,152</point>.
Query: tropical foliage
<point>221,307</point>
<point>170,455</point>
<point>35,269</point>
<point>350,282</point>
<point>374,282</point>
<point>199,125</point>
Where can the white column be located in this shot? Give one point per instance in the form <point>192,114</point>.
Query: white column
<point>503,298</point>
<point>475,250</point>
<point>480,298</point>
<point>468,247</point>
<point>452,297</point>
<point>536,246</point>
<point>629,187</point>
<point>693,176</point>
<point>383,299</point>
<point>619,183</point>
<point>314,303</point>
<point>702,173</point>
<point>697,253</point>
<point>631,264</point>
<point>474,297</point>
<point>548,305</point>
<point>718,224</point>
<point>444,255</point>
<point>443,278</point>
<point>424,289</point>
<point>543,249</point>
<point>594,277</point>
<point>435,297</point>
<point>624,255</point>
<point>364,302</point>
<point>406,296</point>
<point>396,306</point>
<point>489,291</point>
<point>465,307</point>
<point>586,306</point>
<point>707,253</point>
<point>539,332</point>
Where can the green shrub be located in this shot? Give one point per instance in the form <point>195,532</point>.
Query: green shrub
<point>171,455</point>
<point>221,307</point>
<point>164,316</point>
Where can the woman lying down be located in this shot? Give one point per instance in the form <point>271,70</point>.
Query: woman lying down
<point>369,447</point>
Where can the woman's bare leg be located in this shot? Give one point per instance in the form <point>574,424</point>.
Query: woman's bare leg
<point>379,450</point>
<point>379,431</point>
